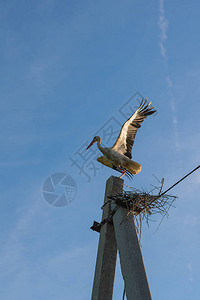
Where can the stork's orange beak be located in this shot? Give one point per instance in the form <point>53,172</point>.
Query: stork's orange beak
<point>90,145</point>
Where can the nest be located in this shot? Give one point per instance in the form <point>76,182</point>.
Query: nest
<point>142,205</point>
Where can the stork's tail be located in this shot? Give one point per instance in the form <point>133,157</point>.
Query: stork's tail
<point>133,167</point>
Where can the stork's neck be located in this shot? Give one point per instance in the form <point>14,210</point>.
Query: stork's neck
<point>99,145</point>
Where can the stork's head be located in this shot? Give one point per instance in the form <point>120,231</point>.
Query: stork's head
<point>95,139</point>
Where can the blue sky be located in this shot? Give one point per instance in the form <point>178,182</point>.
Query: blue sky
<point>67,67</point>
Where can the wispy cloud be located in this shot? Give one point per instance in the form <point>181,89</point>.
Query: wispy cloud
<point>190,272</point>
<point>169,82</point>
<point>172,104</point>
<point>13,247</point>
<point>39,69</point>
<point>24,267</point>
<point>163,25</point>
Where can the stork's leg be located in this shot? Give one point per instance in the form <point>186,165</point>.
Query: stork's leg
<point>123,172</point>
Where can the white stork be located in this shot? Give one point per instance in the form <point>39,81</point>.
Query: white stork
<point>119,156</point>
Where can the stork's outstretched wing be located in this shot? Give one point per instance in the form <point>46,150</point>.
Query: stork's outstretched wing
<point>125,140</point>
<point>107,163</point>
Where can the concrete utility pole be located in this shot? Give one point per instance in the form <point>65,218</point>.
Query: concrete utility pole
<point>107,249</point>
<point>123,233</point>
